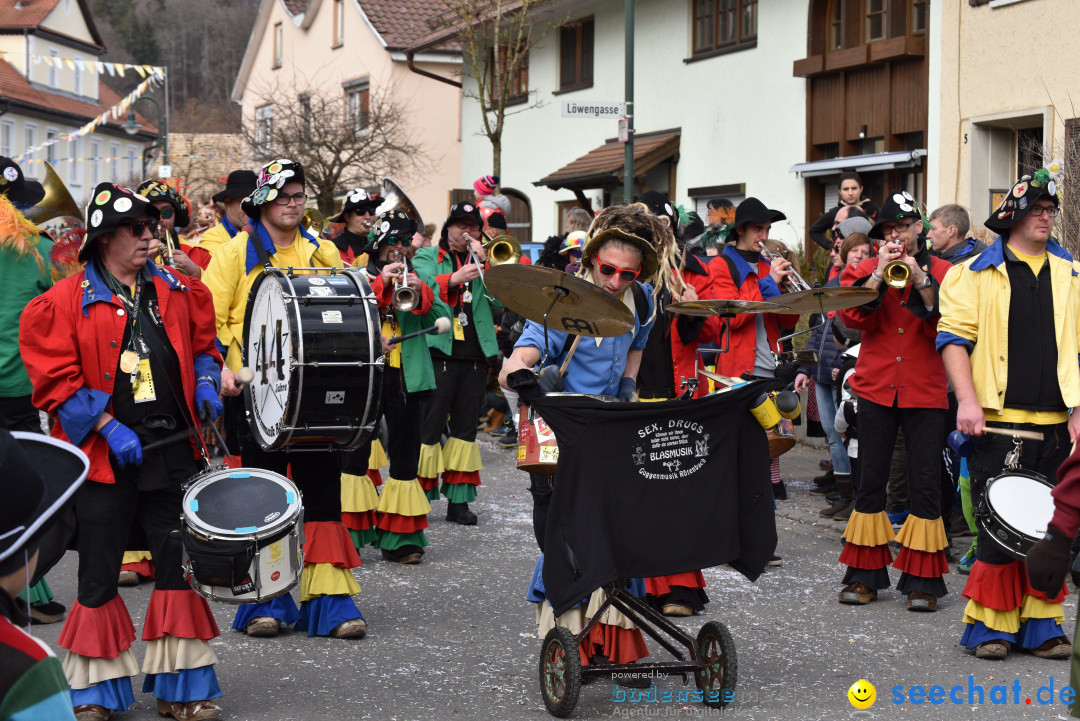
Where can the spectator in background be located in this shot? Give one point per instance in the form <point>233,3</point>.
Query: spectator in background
<point>949,226</point>
<point>850,192</point>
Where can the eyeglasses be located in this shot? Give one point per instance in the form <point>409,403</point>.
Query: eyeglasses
<point>836,248</point>
<point>166,213</point>
<point>898,227</point>
<point>138,227</point>
<point>394,240</point>
<point>607,270</point>
<point>1036,211</point>
<point>284,198</point>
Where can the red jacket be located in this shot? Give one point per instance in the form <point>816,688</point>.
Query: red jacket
<point>70,340</point>
<point>752,284</point>
<point>897,359</point>
<point>1067,495</point>
<point>697,273</point>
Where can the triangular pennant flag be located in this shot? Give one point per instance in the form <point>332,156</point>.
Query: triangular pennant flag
<point>70,63</point>
<point>139,70</point>
<point>111,68</point>
<point>80,64</point>
<point>119,69</point>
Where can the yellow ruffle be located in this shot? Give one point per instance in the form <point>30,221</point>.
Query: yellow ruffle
<point>1034,607</point>
<point>576,618</point>
<point>358,493</point>
<point>170,654</point>
<point>919,534</point>
<point>993,619</point>
<point>326,579</point>
<point>868,529</point>
<point>378,457</point>
<point>461,455</point>
<point>405,498</point>
<point>431,461</point>
<point>136,556</point>
<point>84,671</point>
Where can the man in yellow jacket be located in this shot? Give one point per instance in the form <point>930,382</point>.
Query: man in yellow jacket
<point>1008,333</point>
<point>326,608</point>
<point>239,185</point>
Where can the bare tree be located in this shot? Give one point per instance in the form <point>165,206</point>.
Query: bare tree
<point>342,140</point>
<point>496,37</point>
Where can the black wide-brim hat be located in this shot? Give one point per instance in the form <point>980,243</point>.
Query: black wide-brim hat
<point>239,185</point>
<point>109,207</point>
<point>1021,196</point>
<point>661,207</point>
<point>461,211</point>
<point>42,474</point>
<point>392,224</point>
<point>156,190</point>
<point>899,205</point>
<point>753,210</point>
<point>22,193</point>
<point>649,260</point>
<point>357,199</point>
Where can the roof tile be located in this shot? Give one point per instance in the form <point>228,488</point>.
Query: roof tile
<point>402,22</point>
<point>29,14</point>
<point>608,158</point>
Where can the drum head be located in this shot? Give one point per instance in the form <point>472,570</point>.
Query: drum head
<point>268,352</point>
<point>241,502</point>
<point>1022,502</point>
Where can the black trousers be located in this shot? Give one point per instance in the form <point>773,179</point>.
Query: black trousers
<point>107,513</point>
<point>18,414</point>
<point>540,488</point>
<point>924,437</point>
<point>403,412</point>
<point>988,460</point>
<point>459,390</point>
<point>316,473</point>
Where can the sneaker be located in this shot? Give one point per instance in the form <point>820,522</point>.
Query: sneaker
<point>832,497</point>
<point>966,562</point>
<point>510,440</point>
<point>263,627</point>
<point>779,491</point>
<point>823,490</point>
<point>353,628</point>
<point>775,561</point>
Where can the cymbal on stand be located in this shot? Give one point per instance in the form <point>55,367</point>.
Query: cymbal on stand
<point>817,300</point>
<point>724,307</point>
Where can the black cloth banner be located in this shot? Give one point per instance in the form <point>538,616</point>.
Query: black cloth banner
<point>649,489</point>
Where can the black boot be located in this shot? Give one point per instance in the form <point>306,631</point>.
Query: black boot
<point>459,513</point>
<point>847,496</point>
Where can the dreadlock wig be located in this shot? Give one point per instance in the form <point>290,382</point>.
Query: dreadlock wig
<point>637,219</point>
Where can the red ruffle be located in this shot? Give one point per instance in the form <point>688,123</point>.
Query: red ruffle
<point>924,564</point>
<point>1030,590</point>
<point>102,632</point>
<point>375,476</point>
<point>428,484</point>
<point>397,523</point>
<point>617,644</point>
<point>144,568</point>
<point>456,477</point>
<point>997,586</point>
<point>868,558</point>
<point>181,614</point>
<point>329,542</point>
<point>661,585</point>
<point>359,521</point>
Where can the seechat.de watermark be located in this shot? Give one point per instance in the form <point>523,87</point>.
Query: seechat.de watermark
<point>974,694</point>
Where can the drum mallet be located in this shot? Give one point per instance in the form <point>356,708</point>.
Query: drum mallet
<point>244,376</point>
<point>961,442</point>
<point>442,325</point>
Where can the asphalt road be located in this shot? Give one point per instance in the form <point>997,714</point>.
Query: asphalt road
<point>453,638</point>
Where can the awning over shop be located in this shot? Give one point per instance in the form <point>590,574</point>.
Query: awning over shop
<point>861,163</point>
<point>603,166</point>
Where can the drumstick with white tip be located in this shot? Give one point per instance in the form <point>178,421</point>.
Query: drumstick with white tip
<point>1015,432</point>
<point>244,376</point>
<point>442,325</point>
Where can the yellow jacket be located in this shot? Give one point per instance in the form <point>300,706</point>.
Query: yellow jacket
<point>214,237</point>
<point>975,297</point>
<point>230,281</point>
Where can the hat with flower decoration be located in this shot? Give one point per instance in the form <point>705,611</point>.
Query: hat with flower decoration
<point>358,199</point>
<point>272,178</point>
<point>574,242</point>
<point>898,206</point>
<point>1043,183</point>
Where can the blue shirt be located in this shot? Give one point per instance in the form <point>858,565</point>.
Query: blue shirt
<point>595,368</point>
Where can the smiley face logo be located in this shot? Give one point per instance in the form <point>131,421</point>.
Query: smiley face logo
<point>862,694</point>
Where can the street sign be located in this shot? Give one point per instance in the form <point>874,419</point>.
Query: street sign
<point>589,109</point>
<point>624,130</point>
<point>165,171</point>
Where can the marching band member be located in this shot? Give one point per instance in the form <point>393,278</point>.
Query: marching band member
<point>175,213</point>
<point>460,359</point>
<point>239,185</point>
<point>900,382</point>
<point>1008,337</point>
<point>276,237</point>
<point>357,213</point>
<point>123,353</point>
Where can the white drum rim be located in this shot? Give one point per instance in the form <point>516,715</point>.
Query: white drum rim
<point>286,520</point>
<point>998,516</point>
<point>288,415</point>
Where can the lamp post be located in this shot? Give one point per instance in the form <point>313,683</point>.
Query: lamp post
<point>131,126</point>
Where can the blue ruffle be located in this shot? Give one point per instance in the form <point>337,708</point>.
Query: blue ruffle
<point>190,684</point>
<point>537,594</point>
<point>977,633</point>
<point>1036,631</point>
<point>114,694</point>
<point>283,608</point>
<point>323,614</point>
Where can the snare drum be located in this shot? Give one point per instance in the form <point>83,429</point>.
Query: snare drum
<point>1017,508</point>
<point>314,342</point>
<point>242,535</point>
<point>538,451</point>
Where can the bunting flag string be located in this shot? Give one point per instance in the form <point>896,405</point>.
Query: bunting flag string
<point>119,158</point>
<point>96,66</point>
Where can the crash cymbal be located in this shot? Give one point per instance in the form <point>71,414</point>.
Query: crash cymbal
<point>720,306</point>
<point>827,298</point>
<point>580,307</point>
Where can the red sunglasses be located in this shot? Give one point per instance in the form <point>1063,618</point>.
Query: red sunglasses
<point>607,270</point>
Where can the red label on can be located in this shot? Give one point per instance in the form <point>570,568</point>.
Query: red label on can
<point>275,575</point>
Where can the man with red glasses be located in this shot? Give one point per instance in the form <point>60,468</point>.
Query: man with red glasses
<point>277,237</point>
<point>358,214</point>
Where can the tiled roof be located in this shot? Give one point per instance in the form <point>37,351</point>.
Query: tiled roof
<point>436,31</point>
<point>603,166</point>
<point>402,22</point>
<point>15,87</point>
<point>29,14</point>
<point>296,6</point>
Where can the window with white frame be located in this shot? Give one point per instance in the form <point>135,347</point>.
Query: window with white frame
<point>7,137</point>
<point>51,150</point>
<point>30,140</point>
<point>133,162</point>
<point>357,104</point>
<point>77,81</point>
<point>279,40</point>
<point>264,130</point>
<point>95,162</point>
<point>73,162</point>
<point>113,162</point>
<point>54,68</point>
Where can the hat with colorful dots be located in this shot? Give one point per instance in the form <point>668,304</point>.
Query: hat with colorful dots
<point>1043,183</point>
<point>109,207</point>
<point>272,178</point>
<point>357,199</point>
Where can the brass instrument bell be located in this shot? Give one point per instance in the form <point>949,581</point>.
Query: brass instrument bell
<point>57,202</point>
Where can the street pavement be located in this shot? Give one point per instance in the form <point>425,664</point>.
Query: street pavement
<point>453,638</point>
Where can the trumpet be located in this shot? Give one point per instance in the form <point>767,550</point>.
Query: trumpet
<point>772,249</point>
<point>405,298</point>
<point>897,274</point>
<point>170,242</point>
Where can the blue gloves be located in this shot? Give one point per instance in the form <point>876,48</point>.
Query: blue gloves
<point>123,442</point>
<point>207,401</point>
<point>627,386</point>
<point>550,380</point>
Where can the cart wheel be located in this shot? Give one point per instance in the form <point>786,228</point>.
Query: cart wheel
<point>719,666</point>
<point>560,672</point>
